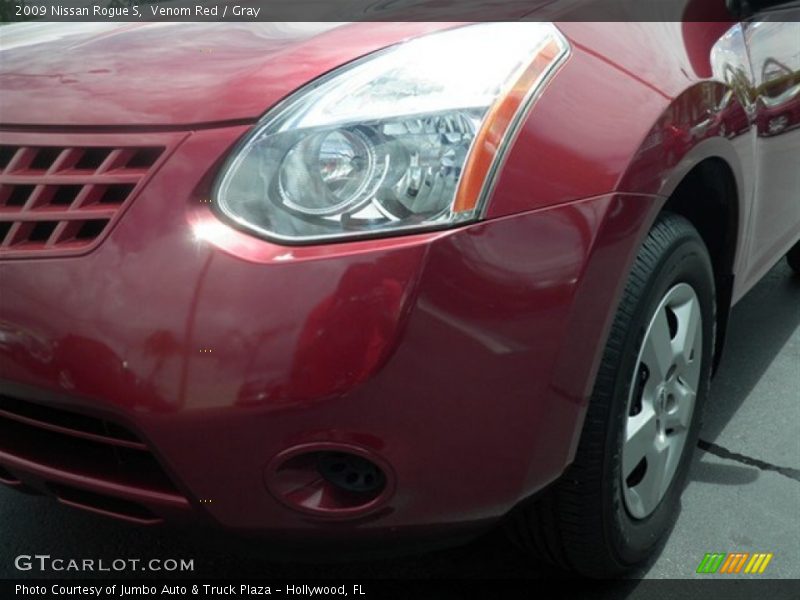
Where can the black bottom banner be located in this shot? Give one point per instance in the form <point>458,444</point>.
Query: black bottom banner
<point>749,589</point>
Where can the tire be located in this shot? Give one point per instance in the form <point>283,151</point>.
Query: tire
<point>793,258</point>
<point>591,521</point>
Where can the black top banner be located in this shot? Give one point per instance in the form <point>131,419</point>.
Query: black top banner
<point>385,10</point>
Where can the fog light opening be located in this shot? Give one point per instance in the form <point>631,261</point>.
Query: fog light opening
<point>330,480</point>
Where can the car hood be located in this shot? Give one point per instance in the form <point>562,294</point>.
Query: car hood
<point>170,74</point>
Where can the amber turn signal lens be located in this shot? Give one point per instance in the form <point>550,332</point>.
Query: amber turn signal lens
<point>499,124</point>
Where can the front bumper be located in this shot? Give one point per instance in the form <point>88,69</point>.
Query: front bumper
<point>460,360</point>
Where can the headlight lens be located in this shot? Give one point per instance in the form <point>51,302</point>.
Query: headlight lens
<point>404,139</point>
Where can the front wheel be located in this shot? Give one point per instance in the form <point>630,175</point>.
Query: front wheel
<point>618,500</point>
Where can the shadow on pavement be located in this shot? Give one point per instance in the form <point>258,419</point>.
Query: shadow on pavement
<point>760,325</point>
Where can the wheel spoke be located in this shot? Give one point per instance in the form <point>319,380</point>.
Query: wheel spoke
<point>635,502</point>
<point>639,437</point>
<point>683,345</point>
<point>657,352</point>
<point>656,478</point>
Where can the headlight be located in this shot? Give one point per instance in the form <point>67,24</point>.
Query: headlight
<point>407,138</point>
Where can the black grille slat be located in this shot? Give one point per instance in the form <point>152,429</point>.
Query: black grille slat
<point>68,421</point>
<point>115,194</point>
<point>19,195</point>
<point>79,444</point>
<point>5,227</point>
<point>104,504</point>
<point>6,154</point>
<point>44,159</point>
<point>90,229</point>
<point>144,158</point>
<point>64,195</point>
<point>92,158</point>
<point>42,231</point>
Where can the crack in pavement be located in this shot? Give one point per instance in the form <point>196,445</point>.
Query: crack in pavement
<point>721,452</point>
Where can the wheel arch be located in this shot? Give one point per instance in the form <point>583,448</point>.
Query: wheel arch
<point>698,159</point>
<point>709,195</point>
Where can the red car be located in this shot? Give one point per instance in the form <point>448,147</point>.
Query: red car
<point>381,282</point>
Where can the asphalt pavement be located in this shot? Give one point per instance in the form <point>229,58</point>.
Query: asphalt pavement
<point>743,494</point>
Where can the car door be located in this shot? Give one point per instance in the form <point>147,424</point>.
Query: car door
<point>772,37</point>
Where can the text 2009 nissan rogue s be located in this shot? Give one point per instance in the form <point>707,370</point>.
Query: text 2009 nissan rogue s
<point>384,282</point>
